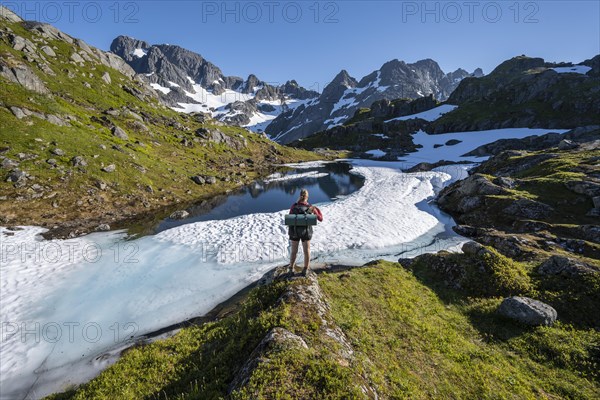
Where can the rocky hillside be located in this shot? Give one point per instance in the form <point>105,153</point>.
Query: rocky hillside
<point>526,92</point>
<point>380,331</point>
<point>344,95</point>
<point>188,82</point>
<point>85,142</point>
<point>379,127</point>
<point>521,92</point>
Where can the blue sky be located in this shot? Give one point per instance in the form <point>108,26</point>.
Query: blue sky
<point>312,41</point>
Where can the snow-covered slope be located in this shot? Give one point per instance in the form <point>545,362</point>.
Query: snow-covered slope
<point>189,83</point>
<point>64,292</point>
<point>345,95</point>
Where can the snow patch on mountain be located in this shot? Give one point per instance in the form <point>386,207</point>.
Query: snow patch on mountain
<point>429,115</point>
<point>576,69</point>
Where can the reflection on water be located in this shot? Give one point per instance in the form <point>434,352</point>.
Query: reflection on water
<point>265,197</point>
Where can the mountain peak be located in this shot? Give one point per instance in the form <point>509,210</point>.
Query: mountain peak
<point>343,78</point>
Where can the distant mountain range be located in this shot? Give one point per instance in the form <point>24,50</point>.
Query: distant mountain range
<point>189,83</point>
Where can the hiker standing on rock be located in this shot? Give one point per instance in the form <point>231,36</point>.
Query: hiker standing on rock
<point>303,233</point>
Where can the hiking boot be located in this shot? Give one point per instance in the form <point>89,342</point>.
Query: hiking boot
<point>305,271</point>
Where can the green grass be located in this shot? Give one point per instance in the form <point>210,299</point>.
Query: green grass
<point>168,164</point>
<point>413,338</point>
<point>415,342</point>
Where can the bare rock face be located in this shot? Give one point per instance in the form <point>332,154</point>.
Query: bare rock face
<point>559,265</point>
<point>181,214</point>
<point>24,76</point>
<point>528,209</point>
<point>8,15</point>
<point>527,311</point>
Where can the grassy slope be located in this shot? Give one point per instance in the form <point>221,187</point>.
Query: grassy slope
<point>168,163</point>
<point>412,339</point>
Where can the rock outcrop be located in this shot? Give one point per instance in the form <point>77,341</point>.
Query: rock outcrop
<point>527,311</point>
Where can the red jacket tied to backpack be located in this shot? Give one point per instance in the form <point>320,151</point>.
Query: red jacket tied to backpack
<point>315,210</point>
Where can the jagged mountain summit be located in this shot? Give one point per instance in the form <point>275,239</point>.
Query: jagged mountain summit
<point>189,83</point>
<point>344,95</point>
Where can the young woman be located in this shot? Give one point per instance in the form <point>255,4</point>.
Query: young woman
<point>302,233</point>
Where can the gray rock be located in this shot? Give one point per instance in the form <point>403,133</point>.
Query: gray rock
<point>596,201</point>
<point>505,182</point>
<point>559,265</point>
<point>109,168</point>
<point>76,58</point>
<point>106,78</point>
<point>103,228</point>
<point>474,249</point>
<point>527,311</point>
<point>52,161</point>
<point>181,214</point>
<point>57,152</point>
<point>211,180</point>
<point>7,163</point>
<point>48,50</point>
<point>566,144</point>
<point>79,161</point>
<point>18,112</point>
<point>591,189</point>
<point>8,15</point>
<point>21,44</point>
<point>24,76</point>
<point>198,180</point>
<point>526,208</point>
<point>469,203</point>
<point>120,133</point>
<point>17,176</point>
<point>101,185</point>
<point>53,119</point>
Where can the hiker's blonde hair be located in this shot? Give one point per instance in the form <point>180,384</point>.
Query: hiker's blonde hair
<point>303,196</point>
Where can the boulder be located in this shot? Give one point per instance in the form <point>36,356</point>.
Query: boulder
<point>57,152</point>
<point>588,188</point>
<point>198,180</point>
<point>505,182</point>
<point>527,311</point>
<point>78,161</point>
<point>7,163</point>
<point>103,228</point>
<point>211,180</point>
<point>559,265</point>
<point>181,214</point>
<point>106,78</point>
<point>530,209</point>
<point>473,248</point>
<point>109,168</point>
<point>17,176</point>
<point>24,76</point>
<point>48,51</point>
<point>120,133</point>
<point>77,58</point>
<point>566,144</point>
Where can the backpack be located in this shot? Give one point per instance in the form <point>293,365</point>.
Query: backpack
<point>304,232</point>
